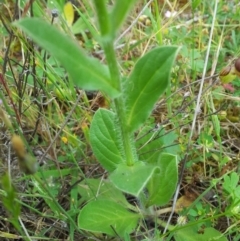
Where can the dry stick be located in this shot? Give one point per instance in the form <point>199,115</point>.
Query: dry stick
<point>61,128</point>
<point>194,82</point>
<point>24,228</point>
<point>193,123</point>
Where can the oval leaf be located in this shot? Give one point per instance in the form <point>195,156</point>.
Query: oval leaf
<point>105,216</point>
<point>104,139</point>
<point>162,185</point>
<point>87,73</point>
<point>148,80</point>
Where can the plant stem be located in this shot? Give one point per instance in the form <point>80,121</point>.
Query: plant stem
<point>108,34</point>
<point>127,140</point>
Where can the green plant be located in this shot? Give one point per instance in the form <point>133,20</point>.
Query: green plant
<point>112,131</point>
<point>53,113</point>
<point>232,189</point>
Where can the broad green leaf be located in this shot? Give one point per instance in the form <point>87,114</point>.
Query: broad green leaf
<point>68,13</point>
<point>90,189</point>
<point>162,185</point>
<point>194,233</point>
<point>147,82</point>
<point>119,13</point>
<point>86,72</point>
<point>105,216</point>
<point>133,179</point>
<point>105,140</point>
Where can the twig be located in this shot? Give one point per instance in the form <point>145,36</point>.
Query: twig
<point>24,228</point>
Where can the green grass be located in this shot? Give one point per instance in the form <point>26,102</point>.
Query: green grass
<point>53,116</point>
